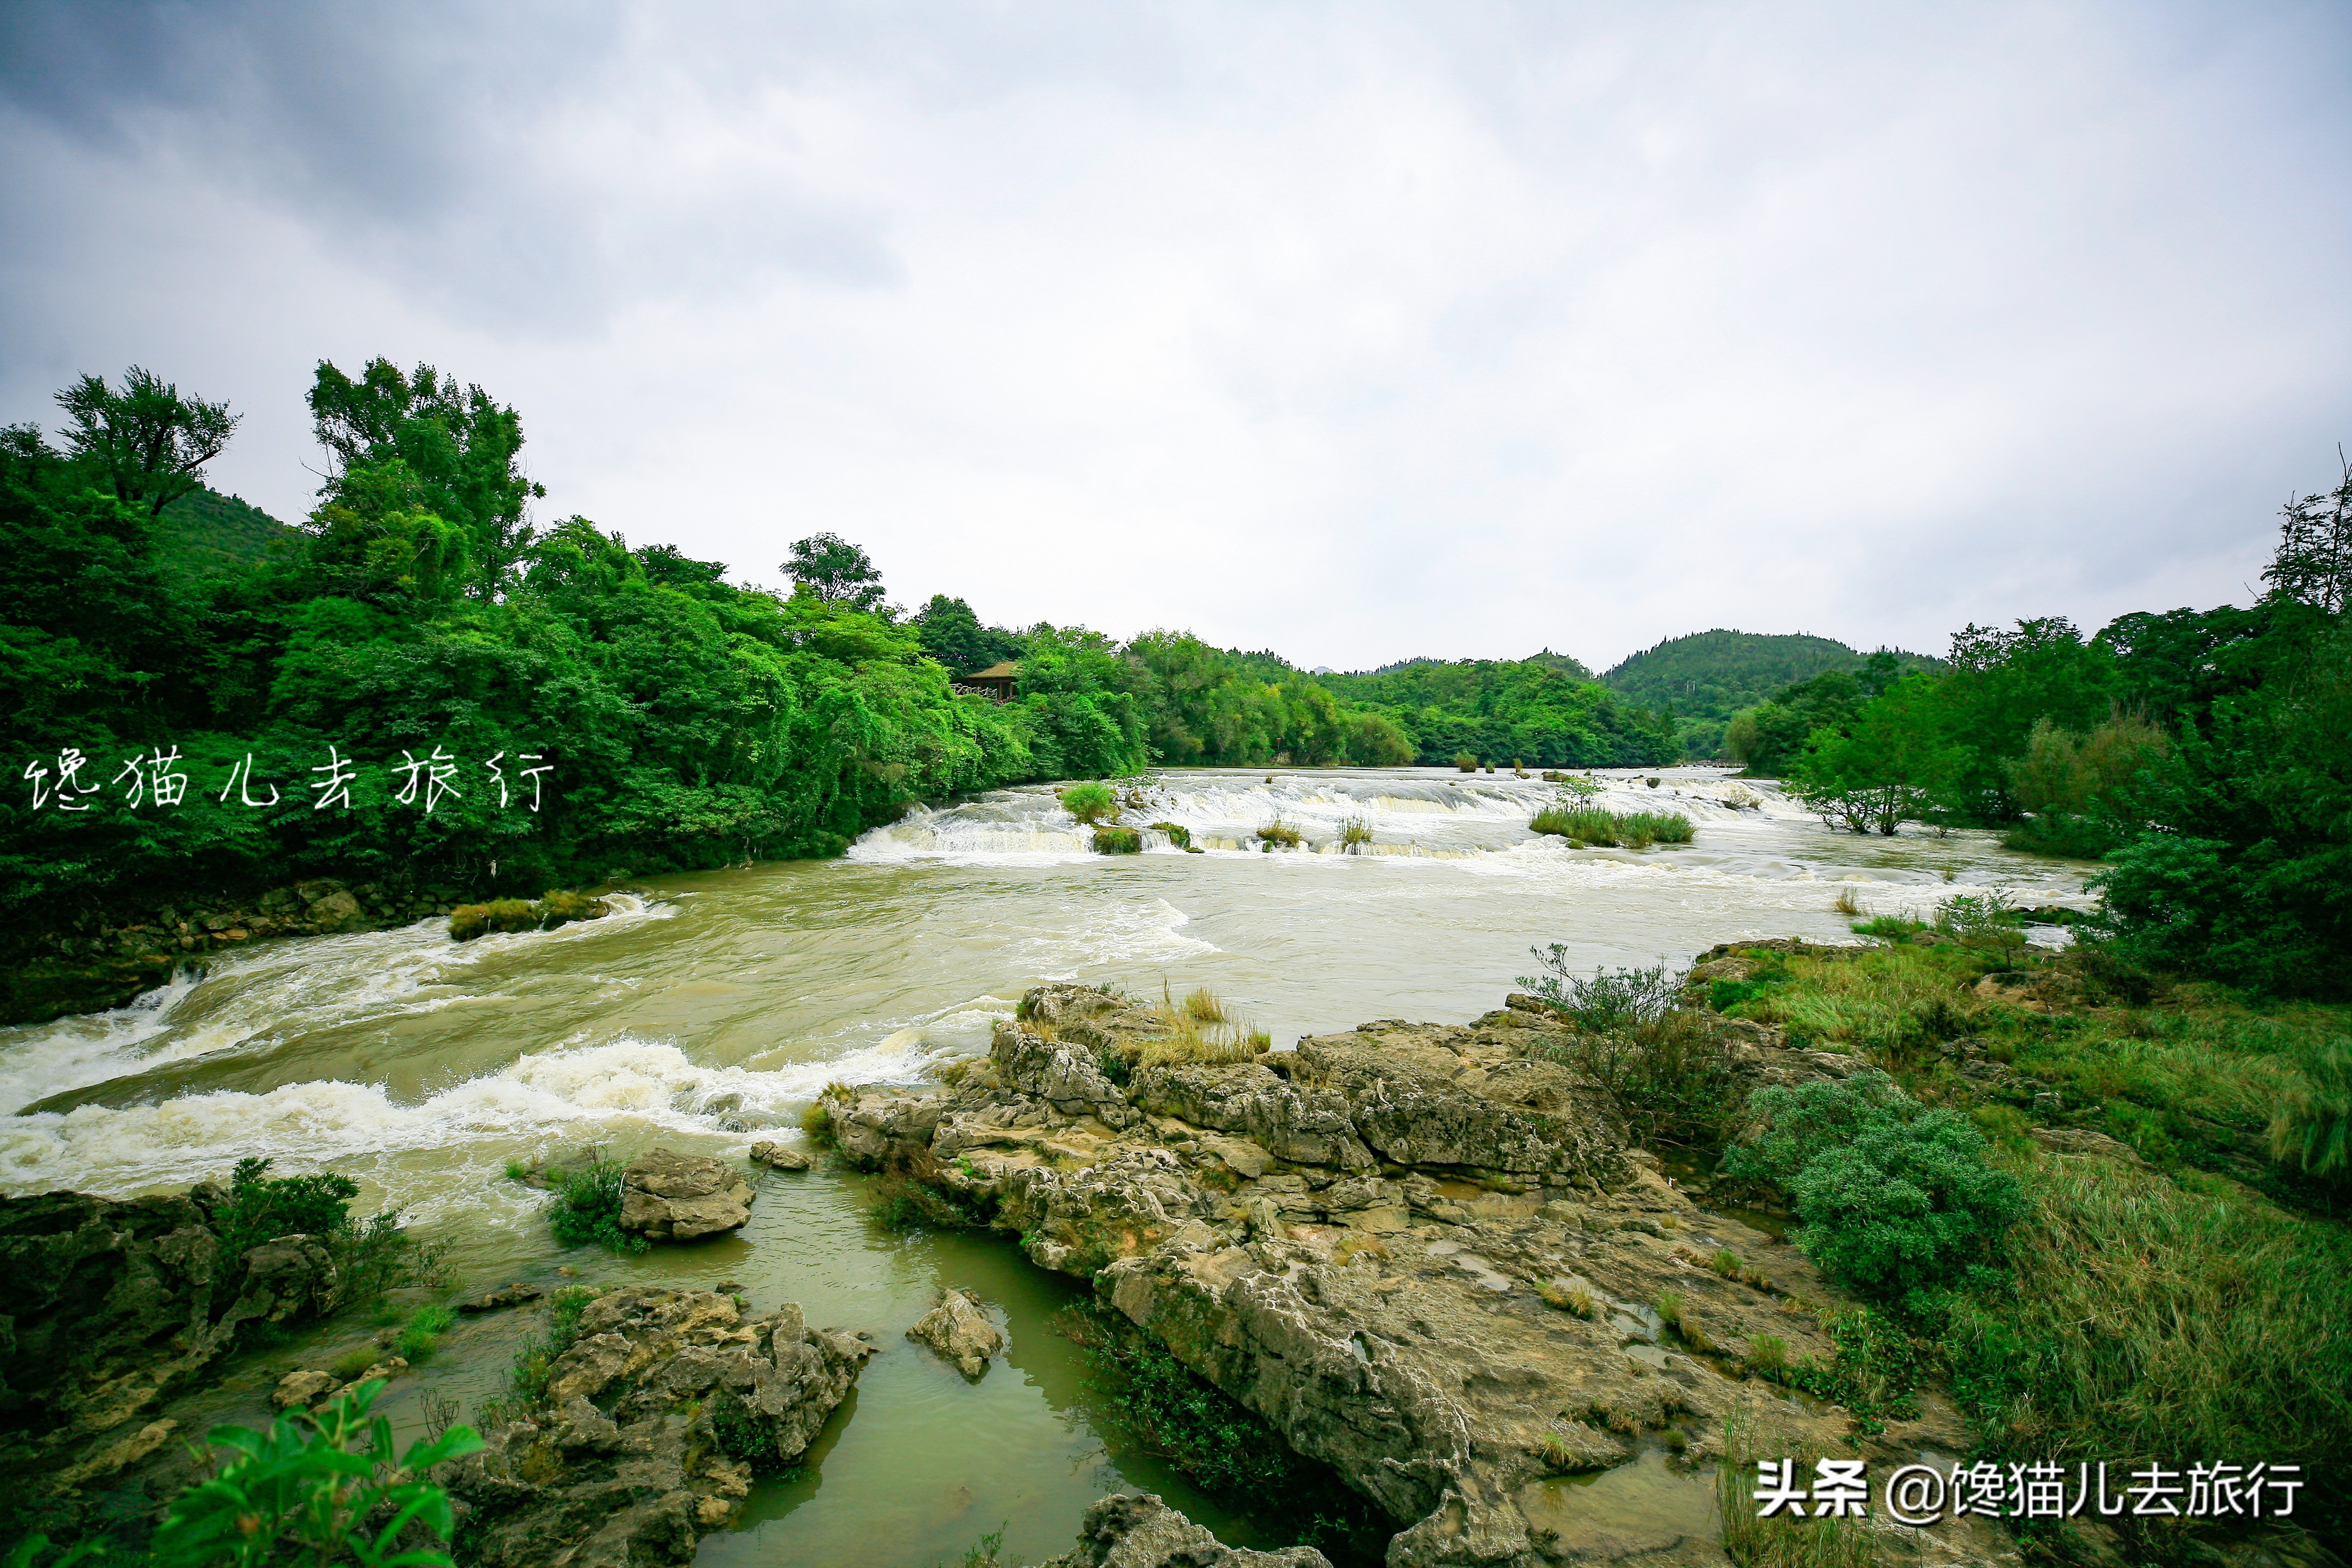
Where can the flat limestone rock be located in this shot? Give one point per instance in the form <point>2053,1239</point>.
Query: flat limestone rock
<point>1129,1531</point>
<point>669,1196</point>
<point>960,1331</point>
<point>776,1157</point>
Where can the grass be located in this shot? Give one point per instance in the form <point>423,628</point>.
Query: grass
<point>1279,833</point>
<point>1575,1301</point>
<point>1847,904</point>
<point>1199,1029</point>
<point>1611,829</point>
<point>1779,1541</point>
<point>421,1335</point>
<point>527,1381</point>
<point>1354,832</point>
<point>1466,762</point>
<point>816,1120</point>
<point>1178,833</point>
<point>353,1362</point>
<point>1111,839</point>
<point>1091,804</point>
<point>587,1209</point>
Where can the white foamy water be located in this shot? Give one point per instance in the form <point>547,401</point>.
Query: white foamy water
<point>423,1065</point>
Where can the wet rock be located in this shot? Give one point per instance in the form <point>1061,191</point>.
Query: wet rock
<point>116,1306</point>
<point>654,1424</point>
<point>960,1331</point>
<point>301,1390</point>
<point>1128,1531</point>
<point>776,1157</point>
<point>507,1296</point>
<point>669,1196</point>
<point>336,911</point>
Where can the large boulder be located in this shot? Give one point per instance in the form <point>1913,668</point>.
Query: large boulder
<point>654,1423</point>
<point>669,1196</point>
<point>960,1331</point>
<point>1126,1531</point>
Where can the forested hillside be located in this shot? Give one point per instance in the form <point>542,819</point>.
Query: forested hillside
<point>1532,710</point>
<point>1704,678</point>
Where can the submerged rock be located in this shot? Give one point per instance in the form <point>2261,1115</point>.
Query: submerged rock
<point>960,1331</point>
<point>776,1157</point>
<point>1126,1531</point>
<point>653,1425</point>
<point>669,1196</point>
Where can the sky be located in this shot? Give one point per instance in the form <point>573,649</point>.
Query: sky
<point>1360,333</point>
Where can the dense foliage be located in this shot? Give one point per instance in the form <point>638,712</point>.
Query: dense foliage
<point>1532,711</point>
<point>1898,1199</point>
<point>2207,756</point>
<point>421,686</point>
<point>1703,678</point>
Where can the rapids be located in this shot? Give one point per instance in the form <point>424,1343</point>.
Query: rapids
<point>712,1007</point>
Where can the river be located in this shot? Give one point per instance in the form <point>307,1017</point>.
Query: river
<point>712,1006</point>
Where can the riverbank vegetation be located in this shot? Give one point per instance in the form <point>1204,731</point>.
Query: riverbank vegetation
<point>2207,757</point>
<point>422,684</point>
<point>1609,829</point>
<point>2102,1207</point>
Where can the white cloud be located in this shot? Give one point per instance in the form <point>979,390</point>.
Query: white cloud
<point>1358,335</point>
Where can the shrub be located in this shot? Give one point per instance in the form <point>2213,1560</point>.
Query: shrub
<point>588,1210</point>
<point>1980,917</point>
<point>1897,1200</point>
<point>1279,832</point>
<point>1115,840</point>
<point>1355,831</point>
<point>527,1383</point>
<point>314,1487</point>
<point>1607,999</point>
<point>372,1256</point>
<point>1090,803</point>
<point>1178,833</point>
<point>1592,825</point>
<point>1466,762</point>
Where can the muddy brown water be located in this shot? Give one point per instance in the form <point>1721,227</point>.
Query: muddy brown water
<point>712,1007</point>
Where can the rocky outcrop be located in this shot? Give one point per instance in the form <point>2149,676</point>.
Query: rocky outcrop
<point>116,1306</point>
<point>1426,1255</point>
<point>1128,1531</point>
<point>654,1423</point>
<point>669,1196</point>
<point>960,1331</point>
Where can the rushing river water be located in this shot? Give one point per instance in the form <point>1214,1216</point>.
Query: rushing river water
<point>711,1008</point>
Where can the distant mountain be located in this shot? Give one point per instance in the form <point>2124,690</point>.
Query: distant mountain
<point>1707,676</point>
<point>207,532</point>
<point>1548,659</point>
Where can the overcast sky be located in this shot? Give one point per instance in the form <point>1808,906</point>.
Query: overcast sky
<point>1356,332</point>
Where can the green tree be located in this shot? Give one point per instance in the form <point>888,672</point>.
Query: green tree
<point>150,442</point>
<point>835,571</point>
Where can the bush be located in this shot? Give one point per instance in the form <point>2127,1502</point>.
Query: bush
<point>1091,804</point>
<point>1608,999</point>
<point>317,1488</point>
<point>1355,831</point>
<point>1609,829</point>
<point>1466,762</point>
<point>588,1210</point>
<point>1279,832</point>
<point>1178,833</point>
<point>527,1383</point>
<point>1899,1200</point>
<point>1114,840</point>
<point>1669,1077</point>
<point>372,1256</point>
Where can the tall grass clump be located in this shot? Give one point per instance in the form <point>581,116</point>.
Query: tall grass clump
<point>1091,804</point>
<point>2152,1321</point>
<point>1666,1068</point>
<point>1354,832</point>
<point>2311,1130</point>
<point>1780,1542</point>
<point>1609,829</point>
<point>1199,1029</point>
<point>587,1209</point>
<point>1466,762</point>
<point>1281,832</point>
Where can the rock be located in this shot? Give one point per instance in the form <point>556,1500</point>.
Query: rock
<point>301,1390</point>
<point>509,1296</point>
<point>336,911</point>
<point>654,1423</point>
<point>2084,1142</point>
<point>383,1371</point>
<point>776,1157</point>
<point>1126,1531</point>
<point>1426,1255</point>
<point>669,1196</point>
<point>117,1306</point>
<point>960,1331</point>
